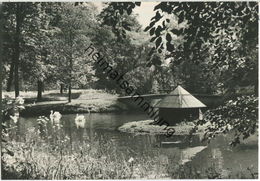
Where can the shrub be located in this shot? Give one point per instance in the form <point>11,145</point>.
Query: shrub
<point>239,115</point>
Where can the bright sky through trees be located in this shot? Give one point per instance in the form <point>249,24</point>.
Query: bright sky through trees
<point>145,11</point>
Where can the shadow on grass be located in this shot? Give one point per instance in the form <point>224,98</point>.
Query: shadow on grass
<point>74,95</point>
<point>53,97</point>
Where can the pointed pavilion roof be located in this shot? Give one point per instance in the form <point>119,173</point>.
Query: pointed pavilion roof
<point>180,98</point>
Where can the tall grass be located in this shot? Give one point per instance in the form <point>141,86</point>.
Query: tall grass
<point>37,159</point>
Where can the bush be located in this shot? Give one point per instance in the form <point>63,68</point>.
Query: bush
<point>239,115</point>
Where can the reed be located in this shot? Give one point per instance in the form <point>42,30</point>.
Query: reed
<point>37,159</point>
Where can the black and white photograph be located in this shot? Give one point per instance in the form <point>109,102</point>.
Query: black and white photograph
<point>113,90</point>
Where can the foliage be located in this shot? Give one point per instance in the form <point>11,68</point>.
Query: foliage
<point>44,32</point>
<point>200,22</point>
<point>195,78</point>
<point>18,18</point>
<point>126,54</point>
<point>9,107</point>
<point>75,26</point>
<point>116,15</point>
<point>36,32</point>
<point>219,38</point>
<point>222,35</point>
<point>239,115</point>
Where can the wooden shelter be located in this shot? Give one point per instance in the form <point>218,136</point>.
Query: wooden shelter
<point>178,106</point>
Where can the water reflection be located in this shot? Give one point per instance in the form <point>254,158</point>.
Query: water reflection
<point>218,158</point>
<point>188,153</point>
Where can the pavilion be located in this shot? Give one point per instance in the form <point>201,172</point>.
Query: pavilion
<point>179,106</point>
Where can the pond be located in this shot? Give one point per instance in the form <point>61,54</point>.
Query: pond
<point>175,150</point>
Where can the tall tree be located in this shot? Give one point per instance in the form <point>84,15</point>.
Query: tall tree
<point>124,45</point>
<point>18,16</point>
<point>37,38</point>
<point>76,25</point>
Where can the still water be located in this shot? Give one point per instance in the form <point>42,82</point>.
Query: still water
<point>176,149</point>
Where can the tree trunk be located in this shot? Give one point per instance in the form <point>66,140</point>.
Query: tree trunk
<point>40,86</point>
<point>61,88</point>
<point>70,92</point>
<point>70,64</point>
<point>256,87</point>
<point>43,87</point>
<point>17,49</point>
<point>16,73</point>
<point>10,78</point>
<point>70,78</point>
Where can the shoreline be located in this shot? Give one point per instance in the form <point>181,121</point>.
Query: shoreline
<point>83,101</point>
<point>76,106</point>
<point>145,127</point>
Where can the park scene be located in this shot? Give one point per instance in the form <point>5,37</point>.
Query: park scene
<point>129,90</point>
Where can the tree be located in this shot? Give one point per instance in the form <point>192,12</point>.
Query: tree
<point>18,16</point>
<point>116,15</point>
<point>36,65</point>
<point>124,46</point>
<point>218,30</point>
<point>76,24</point>
<point>239,115</point>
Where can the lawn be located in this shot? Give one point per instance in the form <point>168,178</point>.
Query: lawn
<point>54,95</point>
<point>83,100</point>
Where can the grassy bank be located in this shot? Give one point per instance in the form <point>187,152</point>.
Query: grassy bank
<point>82,101</point>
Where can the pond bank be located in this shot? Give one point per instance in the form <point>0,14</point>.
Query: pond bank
<point>146,127</point>
<point>83,101</point>
<point>76,106</point>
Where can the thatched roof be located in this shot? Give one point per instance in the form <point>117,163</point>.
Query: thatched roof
<point>180,98</point>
